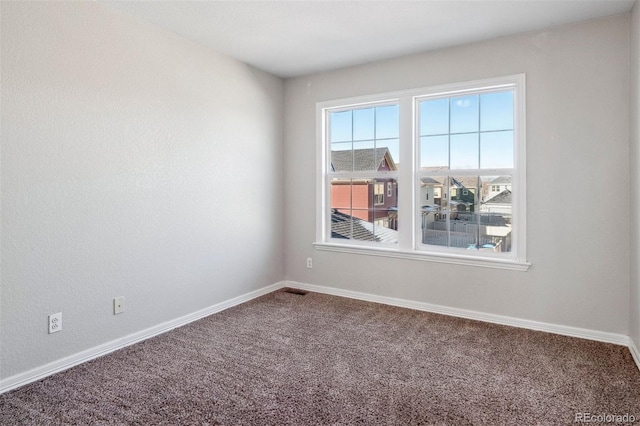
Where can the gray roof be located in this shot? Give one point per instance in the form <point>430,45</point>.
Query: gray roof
<point>469,182</point>
<point>430,180</point>
<point>501,180</point>
<point>352,228</point>
<point>360,159</point>
<point>502,198</point>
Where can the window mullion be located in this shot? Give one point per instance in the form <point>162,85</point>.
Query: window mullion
<point>479,130</point>
<point>448,210</point>
<point>448,184</point>
<point>478,216</point>
<point>406,177</point>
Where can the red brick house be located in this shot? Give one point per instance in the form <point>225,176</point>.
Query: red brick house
<point>372,200</point>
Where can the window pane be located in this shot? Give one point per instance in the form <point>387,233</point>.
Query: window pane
<point>463,199</point>
<point>464,151</point>
<point>364,156</point>
<point>393,147</point>
<point>363,124</point>
<point>464,114</point>
<point>384,214</point>
<point>431,192</point>
<point>464,209</point>
<point>387,122</point>
<point>434,210</point>
<point>372,136</point>
<point>363,229</point>
<point>353,227</point>
<point>434,151</point>
<point>342,226</point>
<point>495,214</point>
<point>385,226</point>
<point>340,123</point>
<point>473,216</point>
<point>364,209</point>
<point>496,111</point>
<point>342,157</point>
<point>341,195</point>
<point>452,221</point>
<point>496,150</point>
<point>434,117</point>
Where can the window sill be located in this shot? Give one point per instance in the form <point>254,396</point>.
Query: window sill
<point>486,262</point>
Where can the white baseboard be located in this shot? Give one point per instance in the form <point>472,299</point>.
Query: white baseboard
<point>635,353</point>
<point>41,372</point>
<point>618,339</point>
<point>46,370</point>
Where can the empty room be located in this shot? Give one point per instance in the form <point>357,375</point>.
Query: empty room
<point>320,212</point>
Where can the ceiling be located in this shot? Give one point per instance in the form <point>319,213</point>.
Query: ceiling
<point>293,38</point>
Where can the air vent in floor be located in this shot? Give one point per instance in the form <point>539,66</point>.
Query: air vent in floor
<point>295,291</point>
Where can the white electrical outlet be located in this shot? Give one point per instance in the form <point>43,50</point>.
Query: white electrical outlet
<point>309,263</point>
<point>118,305</point>
<point>55,322</point>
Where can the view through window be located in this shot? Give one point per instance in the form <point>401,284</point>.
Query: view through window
<point>461,171</point>
<point>364,155</point>
<point>466,146</point>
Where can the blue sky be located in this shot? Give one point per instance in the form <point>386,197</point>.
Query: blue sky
<point>366,128</point>
<point>465,132</point>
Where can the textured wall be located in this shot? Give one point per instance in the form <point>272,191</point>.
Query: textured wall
<point>634,317</point>
<point>134,163</point>
<point>577,179</point>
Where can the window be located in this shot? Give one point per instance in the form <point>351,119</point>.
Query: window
<point>362,145</point>
<point>460,145</point>
<point>378,195</point>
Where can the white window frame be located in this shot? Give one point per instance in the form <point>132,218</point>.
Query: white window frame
<point>409,245</point>
<point>327,173</point>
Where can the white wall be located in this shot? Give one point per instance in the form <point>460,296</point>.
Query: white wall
<point>634,317</point>
<point>134,163</point>
<point>577,146</point>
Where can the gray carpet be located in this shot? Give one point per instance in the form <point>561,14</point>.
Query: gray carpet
<point>288,359</point>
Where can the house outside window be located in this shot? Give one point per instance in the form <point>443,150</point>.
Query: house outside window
<point>362,149</point>
<point>378,194</point>
<point>464,140</point>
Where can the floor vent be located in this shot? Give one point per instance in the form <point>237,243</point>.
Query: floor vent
<point>295,291</point>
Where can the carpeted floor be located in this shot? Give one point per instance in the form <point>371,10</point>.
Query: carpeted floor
<point>289,359</point>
